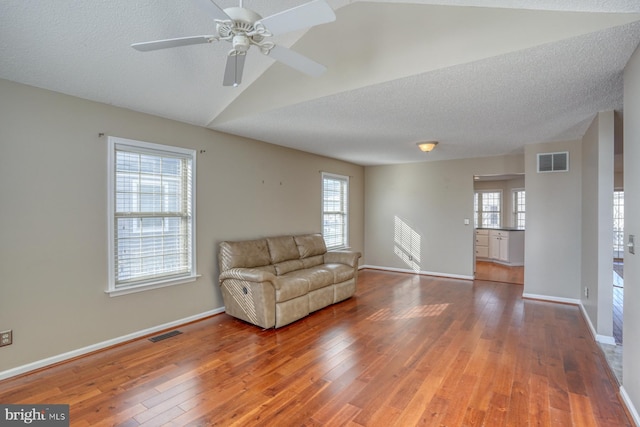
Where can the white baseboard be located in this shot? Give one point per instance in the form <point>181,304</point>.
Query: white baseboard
<point>551,299</point>
<point>102,345</point>
<point>604,339</point>
<point>425,273</point>
<point>632,409</point>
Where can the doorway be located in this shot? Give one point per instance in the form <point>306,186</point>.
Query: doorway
<point>499,206</point>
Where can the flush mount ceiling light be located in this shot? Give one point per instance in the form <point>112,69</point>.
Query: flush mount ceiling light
<point>427,146</point>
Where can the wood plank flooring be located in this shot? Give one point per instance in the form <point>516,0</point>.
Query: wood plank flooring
<point>495,272</point>
<point>407,350</point>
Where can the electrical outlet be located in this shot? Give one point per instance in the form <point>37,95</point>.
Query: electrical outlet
<point>6,338</point>
<point>586,292</point>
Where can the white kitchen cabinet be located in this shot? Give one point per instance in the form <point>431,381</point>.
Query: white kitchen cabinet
<point>507,246</point>
<point>482,244</point>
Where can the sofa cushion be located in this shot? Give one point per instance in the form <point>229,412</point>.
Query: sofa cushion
<point>268,268</point>
<point>287,266</point>
<point>340,272</point>
<point>248,253</point>
<point>282,248</point>
<point>318,277</point>
<point>313,261</point>
<point>289,287</point>
<point>310,245</point>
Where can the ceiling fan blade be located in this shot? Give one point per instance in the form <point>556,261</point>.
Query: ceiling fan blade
<point>304,16</point>
<point>233,70</point>
<point>164,44</point>
<point>296,61</point>
<point>212,9</point>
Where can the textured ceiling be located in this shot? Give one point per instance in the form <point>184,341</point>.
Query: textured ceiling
<point>481,80</point>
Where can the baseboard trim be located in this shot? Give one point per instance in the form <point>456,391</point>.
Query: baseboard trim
<point>421,272</point>
<point>562,300</point>
<point>102,345</point>
<point>604,339</point>
<point>632,409</point>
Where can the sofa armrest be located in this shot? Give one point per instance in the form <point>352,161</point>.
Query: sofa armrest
<point>247,274</point>
<point>349,258</point>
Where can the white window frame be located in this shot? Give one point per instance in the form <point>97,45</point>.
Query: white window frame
<point>514,200</point>
<point>478,212</point>
<point>159,281</point>
<point>344,211</point>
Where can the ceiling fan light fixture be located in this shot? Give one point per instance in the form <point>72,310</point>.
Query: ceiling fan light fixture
<point>241,43</point>
<point>243,28</point>
<point>427,146</point>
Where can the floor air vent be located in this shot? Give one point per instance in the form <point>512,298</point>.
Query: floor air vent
<point>164,336</point>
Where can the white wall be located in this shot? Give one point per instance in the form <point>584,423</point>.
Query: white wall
<point>553,241</point>
<point>53,211</point>
<point>597,224</point>
<point>631,330</point>
<point>419,209</point>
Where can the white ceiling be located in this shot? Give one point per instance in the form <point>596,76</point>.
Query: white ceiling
<point>481,80</point>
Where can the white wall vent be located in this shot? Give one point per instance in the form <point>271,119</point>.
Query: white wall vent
<point>553,162</point>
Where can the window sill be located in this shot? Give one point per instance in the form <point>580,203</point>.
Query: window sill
<point>149,286</point>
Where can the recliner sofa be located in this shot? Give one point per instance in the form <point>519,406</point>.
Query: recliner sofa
<point>274,281</point>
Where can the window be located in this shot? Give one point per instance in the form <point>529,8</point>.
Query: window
<point>488,209</point>
<point>335,216</point>
<point>151,216</point>
<point>518,208</point>
<point>618,224</point>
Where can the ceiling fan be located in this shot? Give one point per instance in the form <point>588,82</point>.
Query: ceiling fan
<point>243,28</point>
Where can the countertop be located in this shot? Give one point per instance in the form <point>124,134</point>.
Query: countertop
<point>501,228</point>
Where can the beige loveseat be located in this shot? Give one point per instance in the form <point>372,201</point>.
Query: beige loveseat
<point>274,281</point>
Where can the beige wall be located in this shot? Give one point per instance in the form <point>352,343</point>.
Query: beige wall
<point>597,224</point>
<point>552,253</point>
<point>53,206</point>
<point>631,330</point>
<point>419,209</point>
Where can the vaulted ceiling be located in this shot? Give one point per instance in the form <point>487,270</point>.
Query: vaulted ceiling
<point>482,77</point>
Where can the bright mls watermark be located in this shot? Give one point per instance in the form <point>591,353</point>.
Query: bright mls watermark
<point>34,415</point>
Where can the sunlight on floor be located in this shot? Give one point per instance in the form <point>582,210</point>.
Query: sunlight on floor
<point>411,313</point>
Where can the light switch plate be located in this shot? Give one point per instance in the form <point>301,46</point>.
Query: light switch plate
<point>632,245</point>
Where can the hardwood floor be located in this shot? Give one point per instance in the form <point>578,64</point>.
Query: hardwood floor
<point>499,273</point>
<point>407,350</point>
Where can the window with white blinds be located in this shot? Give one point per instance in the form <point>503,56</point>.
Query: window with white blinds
<point>335,213</point>
<point>151,215</point>
<point>519,208</point>
<point>618,224</point>
<point>488,208</point>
